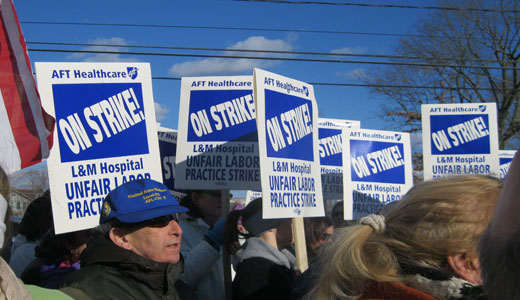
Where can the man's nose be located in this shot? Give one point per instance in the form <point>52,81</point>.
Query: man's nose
<point>174,228</point>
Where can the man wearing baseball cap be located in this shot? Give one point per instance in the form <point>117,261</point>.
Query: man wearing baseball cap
<point>135,253</point>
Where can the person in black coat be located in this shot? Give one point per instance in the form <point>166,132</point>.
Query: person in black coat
<point>264,269</point>
<point>56,257</point>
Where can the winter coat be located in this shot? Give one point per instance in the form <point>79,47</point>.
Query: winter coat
<point>203,269</point>
<point>393,291</point>
<point>422,288</point>
<point>112,272</point>
<point>51,264</point>
<point>22,253</point>
<point>304,283</point>
<point>262,272</point>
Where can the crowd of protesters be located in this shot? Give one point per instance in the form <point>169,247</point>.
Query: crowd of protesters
<point>450,238</point>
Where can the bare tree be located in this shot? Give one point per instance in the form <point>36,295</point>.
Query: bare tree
<point>462,55</point>
<point>25,186</point>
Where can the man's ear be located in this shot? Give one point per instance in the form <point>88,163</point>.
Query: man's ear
<point>466,266</point>
<point>118,237</point>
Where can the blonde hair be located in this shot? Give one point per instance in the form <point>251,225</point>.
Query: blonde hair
<point>433,220</point>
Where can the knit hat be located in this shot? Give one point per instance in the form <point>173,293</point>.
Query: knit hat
<point>252,219</point>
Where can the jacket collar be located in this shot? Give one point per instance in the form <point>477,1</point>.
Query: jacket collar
<point>256,247</point>
<point>440,284</point>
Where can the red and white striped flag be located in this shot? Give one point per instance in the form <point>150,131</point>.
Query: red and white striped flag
<point>25,128</point>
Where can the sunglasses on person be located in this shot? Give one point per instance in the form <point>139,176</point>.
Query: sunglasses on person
<point>158,222</point>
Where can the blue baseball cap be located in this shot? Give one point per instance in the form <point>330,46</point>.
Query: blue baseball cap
<point>139,200</point>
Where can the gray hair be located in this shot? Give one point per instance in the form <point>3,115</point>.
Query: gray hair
<point>107,226</point>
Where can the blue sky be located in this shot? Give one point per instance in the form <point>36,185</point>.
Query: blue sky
<point>354,103</point>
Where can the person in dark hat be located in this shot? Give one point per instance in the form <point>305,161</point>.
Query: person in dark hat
<point>135,251</point>
<point>264,269</point>
<point>202,242</point>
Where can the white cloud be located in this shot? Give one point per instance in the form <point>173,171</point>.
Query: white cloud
<point>261,43</point>
<point>226,66</point>
<point>161,111</point>
<point>103,57</point>
<point>351,75</point>
<point>349,50</point>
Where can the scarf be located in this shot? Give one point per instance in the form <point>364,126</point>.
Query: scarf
<point>441,285</point>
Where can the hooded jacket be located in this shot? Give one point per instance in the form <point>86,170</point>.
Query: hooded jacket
<point>111,272</point>
<point>262,272</point>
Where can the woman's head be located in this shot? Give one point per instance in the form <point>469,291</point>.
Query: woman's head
<point>37,218</point>
<point>433,223</point>
<point>318,231</point>
<point>441,217</point>
<point>254,224</point>
<point>205,204</point>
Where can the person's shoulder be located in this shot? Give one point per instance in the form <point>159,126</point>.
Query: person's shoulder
<point>24,250</point>
<point>85,274</point>
<point>31,273</point>
<point>261,267</point>
<point>94,282</point>
<point>255,267</point>
<point>75,293</point>
<point>261,278</point>
<point>258,260</point>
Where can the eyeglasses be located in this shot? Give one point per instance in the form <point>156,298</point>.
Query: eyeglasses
<point>159,222</point>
